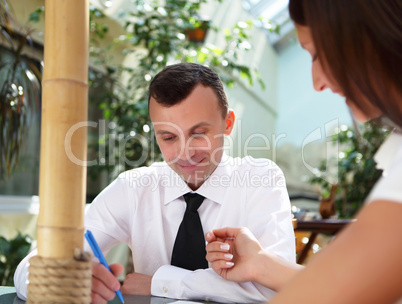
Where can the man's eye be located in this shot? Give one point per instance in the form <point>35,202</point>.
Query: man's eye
<point>198,134</point>
<point>168,138</point>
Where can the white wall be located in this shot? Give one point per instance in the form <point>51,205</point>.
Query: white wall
<point>302,109</point>
<point>289,122</point>
<point>255,108</point>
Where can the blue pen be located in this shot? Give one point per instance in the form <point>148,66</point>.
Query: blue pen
<point>98,253</point>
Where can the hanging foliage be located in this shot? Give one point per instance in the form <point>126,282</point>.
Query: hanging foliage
<point>19,91</point>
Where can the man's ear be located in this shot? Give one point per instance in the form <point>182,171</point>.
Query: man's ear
<point>230,119</point>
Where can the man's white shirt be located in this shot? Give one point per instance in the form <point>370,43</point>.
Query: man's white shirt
<point>144,207</point>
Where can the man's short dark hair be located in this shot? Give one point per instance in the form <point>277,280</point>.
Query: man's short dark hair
<point>175,82</point>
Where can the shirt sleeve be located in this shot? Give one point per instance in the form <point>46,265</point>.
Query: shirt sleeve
<point>270,217</point>
<point>21,276</point>
<point>99,219</point>
<point>174,282</point>
<point>108,215</point>
<point>388,186</point>
<point>21,273</point>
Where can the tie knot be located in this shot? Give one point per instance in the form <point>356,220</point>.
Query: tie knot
<point>193,200</point>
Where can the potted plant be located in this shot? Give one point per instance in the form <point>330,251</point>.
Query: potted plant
<point>357,172</point>
<point>11,253</point>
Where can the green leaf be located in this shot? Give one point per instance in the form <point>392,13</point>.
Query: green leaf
<point>36,14</point>
<point>11,254</point>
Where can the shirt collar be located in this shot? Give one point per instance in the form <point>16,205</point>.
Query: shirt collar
<point>214,187</point>
<point>174,186</point>
<point>389,151</point>
<point>211,188</point>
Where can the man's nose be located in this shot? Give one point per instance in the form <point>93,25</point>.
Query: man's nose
<point>187,150</point>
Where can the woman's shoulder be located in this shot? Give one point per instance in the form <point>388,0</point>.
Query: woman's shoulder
<point>389,159</point>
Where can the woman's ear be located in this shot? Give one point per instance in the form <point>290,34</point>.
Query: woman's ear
<point>230,119</point>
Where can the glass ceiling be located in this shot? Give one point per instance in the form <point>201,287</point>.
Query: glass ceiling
<point>274,10</point>
<point>277,12</point>
<point>266,8</point>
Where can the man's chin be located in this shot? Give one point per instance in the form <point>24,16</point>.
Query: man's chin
<point>194,180</point>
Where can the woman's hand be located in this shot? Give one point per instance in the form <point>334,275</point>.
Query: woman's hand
<point>236,255</point>
<point>233,253</point>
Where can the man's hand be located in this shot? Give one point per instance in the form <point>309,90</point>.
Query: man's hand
<point>105,283</point>
<point>137,283</point>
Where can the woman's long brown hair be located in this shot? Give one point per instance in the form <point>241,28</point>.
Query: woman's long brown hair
<point>359,44</point>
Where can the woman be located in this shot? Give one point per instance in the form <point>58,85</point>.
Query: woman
<point>356,50</point>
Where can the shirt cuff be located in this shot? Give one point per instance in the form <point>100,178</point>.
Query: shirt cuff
<point>167,282</point>
<point>21,277</point>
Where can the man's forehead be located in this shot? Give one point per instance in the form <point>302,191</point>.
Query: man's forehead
<point>162,127</point>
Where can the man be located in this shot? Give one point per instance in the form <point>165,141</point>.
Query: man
<point>144,207</point>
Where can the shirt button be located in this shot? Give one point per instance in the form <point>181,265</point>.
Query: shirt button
<point>165,289</point>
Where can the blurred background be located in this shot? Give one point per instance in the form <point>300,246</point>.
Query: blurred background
<point>252,44</point>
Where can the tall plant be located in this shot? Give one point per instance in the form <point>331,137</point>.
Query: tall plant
<point>19,88</point>
<point>157,33</point>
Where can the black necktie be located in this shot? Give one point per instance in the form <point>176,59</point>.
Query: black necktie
<point>189,247</point>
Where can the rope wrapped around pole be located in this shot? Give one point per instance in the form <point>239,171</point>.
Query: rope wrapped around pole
<point>60,280</point>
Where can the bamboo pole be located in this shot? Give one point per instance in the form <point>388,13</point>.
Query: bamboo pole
<point>62,183</point>
<point>58,274</point>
